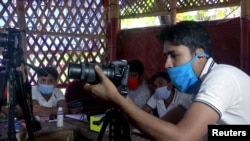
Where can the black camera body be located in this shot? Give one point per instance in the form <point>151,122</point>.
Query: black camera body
<point>117,71</point>
<point>11,42</point>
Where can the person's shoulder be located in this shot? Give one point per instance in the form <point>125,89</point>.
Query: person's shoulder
<point>180,96</point>
<point>227,71</point>
<point>34,92</point>
<point>58,91</point>
<point>226,68</point>
<point>34,86</point>
<point>34,89</point>
<point>144,84</point>
<point>145,88</point>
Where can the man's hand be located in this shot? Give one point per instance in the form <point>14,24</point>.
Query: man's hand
<point>38,110</point>
<point>105,89</point>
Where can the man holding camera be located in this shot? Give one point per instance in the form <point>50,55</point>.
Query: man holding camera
<point>221,91</point>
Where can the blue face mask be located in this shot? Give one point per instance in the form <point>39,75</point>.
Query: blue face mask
<point>162,93</point>
<point>45,89</point>
<point>184,78</point>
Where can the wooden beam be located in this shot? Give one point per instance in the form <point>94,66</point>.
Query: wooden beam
<point>21,22</point>
<point>245,9</point>
<point>173,4</point>
<point>112,30</point>
<point>73,35</point>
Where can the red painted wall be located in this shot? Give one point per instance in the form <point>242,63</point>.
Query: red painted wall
<point>142,44</point>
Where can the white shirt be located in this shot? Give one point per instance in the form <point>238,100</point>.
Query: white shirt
<point>57,95</point>
<point>159,104</point>
<point>179,99</point>
<point>226,89</point>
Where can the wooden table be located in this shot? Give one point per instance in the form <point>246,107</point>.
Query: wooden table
<point>54,133</point>
<point>71,129</point>
<point>82,127</point>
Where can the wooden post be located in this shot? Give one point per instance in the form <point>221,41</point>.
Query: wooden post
<point>22,27</point>
<point>245,36</point>
<point>113,28</point>
<point>173,4</point>
<point>245,9</point>
<point>21,22</point>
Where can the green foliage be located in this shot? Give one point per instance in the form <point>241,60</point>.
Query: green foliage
<point>201,15</point>
<point>210,14</point>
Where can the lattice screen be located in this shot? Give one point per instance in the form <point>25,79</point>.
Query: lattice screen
<point>145,8</point>
<point>59,32</point>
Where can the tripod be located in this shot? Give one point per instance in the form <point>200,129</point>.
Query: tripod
<point>118,126</point>
<point>13,78</point>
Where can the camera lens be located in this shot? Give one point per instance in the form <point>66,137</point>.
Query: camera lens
<point>74,71</point>
<point>86,72</point>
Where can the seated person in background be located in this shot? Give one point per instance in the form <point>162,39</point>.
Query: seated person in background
<point>80,100</point>
<point>166,97</point>
<point>45,97</point>
<point>139,91</point>
<point>163,94</point>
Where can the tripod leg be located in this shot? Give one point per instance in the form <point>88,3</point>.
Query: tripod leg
<point>124,127</point>
<point>118,127</point>
<point>3,81</point>
<point>11,106</point>
<point>104,126</point>
<point>121,127</point>
<point>24,105</point>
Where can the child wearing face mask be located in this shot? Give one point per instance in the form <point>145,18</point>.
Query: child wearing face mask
<point>165,96</point>
<point>46,98</point>
<point>139,91</point>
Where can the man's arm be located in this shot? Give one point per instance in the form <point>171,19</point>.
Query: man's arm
<point>192,127</point>
<point>40,110</point>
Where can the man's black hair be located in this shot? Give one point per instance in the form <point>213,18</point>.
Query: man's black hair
<point>189,33</point>
<point>49,70</point>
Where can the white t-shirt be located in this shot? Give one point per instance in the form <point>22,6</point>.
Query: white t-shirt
<point>141,95</point>
<point>179,98</point>
<point>226,89</point>
<point>159,104</point>
<point>57,95</point>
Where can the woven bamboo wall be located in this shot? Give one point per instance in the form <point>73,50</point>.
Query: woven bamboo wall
<point>57,31</point>
<point>145,8</point>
